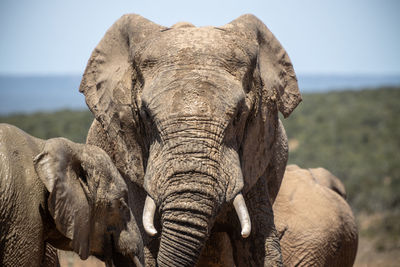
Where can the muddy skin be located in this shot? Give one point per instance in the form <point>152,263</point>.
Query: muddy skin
<point>190,117</point>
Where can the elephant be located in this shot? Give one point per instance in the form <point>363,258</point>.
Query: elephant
<point>190,117</point>
<point>316,226</point>
<point>326,178</point>
<point>59,194</point>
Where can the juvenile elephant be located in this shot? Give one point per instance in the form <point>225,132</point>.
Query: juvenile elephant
<point>190,116</point>
<point>315,223</point>
<point>62,194</point>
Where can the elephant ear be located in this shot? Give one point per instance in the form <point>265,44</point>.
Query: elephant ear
<point>109,84</point>
<point>276,82</point>
<point>276,70</point>
<point>326,178</point>
<point>109,77</point>
<point>60,171</point>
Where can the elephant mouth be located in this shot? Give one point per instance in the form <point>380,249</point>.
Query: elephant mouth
<point>238,203</point>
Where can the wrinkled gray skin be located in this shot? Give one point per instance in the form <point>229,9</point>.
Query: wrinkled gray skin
<point>314,221</point>
<point>325,178</point>
<point>190,116</point>
<point>62,194</point>
<point>315,224</point>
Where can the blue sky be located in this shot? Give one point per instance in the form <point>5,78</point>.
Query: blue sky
<point>336,36</point>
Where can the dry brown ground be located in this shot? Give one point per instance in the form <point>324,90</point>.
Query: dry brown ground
<point>367,255</point>
<point>70,259</point>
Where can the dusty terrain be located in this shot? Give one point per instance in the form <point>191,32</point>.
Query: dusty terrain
<point>367,256</point>
<point>70,259</point>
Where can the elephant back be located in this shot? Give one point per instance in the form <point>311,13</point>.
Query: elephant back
<point>311,217</point>
<point>22,199</point>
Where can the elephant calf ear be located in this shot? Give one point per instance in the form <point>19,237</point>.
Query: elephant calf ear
<point>67,202</point>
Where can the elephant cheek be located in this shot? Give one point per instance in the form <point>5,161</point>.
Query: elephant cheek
<point>154,172</point>
<point>256,149</point>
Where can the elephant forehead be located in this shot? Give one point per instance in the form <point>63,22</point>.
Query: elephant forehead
<point>198,46</point>
<point>195,70</point>
<point>193,92</point>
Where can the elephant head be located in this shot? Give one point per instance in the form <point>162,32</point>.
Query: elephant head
<point>87,203</point>
<point>191,114</point>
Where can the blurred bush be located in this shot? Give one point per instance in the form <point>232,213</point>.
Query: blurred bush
<point>70,124</point>
<point>355,135</point>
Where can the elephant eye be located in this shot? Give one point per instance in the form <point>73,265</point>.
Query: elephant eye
<point>248,78</point>
<point>117,209</point>
<point>238,115</point>
<point>81,173</point>
<point>120,207</point>
<point>147,122</point>
<point>145,113</point>
<point>149,63</point>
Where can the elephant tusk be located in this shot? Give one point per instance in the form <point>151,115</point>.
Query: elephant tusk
<point>243,214</point>
<point>148,216</point>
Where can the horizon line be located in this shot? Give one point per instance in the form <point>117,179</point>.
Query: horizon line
<point>60,74</point>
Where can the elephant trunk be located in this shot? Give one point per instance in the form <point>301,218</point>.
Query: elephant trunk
<point>192,184</point>
<point>186,222</point>
<point>128,244</point>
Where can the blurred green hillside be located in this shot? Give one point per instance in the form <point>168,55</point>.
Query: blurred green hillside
<point>354,134</point>
<point>70,124</point>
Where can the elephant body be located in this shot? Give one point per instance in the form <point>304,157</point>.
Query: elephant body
<point>22,202</point>
<point>189,115</point>
<point>315,224</point>
<point>58,194</point>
